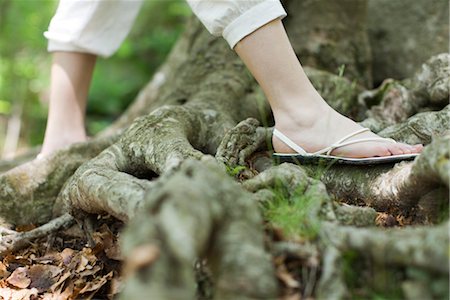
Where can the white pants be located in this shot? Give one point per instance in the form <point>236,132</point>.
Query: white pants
<point>100,26</point>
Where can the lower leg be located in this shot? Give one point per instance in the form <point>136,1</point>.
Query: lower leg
<point>299,111</point>
<point>71,75</point>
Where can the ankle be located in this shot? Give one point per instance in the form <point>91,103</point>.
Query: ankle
<point>61,138</point>
<point>300,118</point>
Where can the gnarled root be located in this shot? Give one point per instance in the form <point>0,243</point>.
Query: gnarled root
<point>243,140</point>
<point>401,100</point>
<point>155,144</point>
<point>421,251</point>
<point>401,187</point>
<point>28,192</point>
<point>420,128</point>
<point>198,212</point>
<point>423,247</point>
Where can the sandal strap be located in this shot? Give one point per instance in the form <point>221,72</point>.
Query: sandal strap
<point>327,150</point>
<point>330,149</point>
<point>342,143</point>
<point>289,142</point>
<point>351,135</point>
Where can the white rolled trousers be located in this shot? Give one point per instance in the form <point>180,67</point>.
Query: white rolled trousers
<point>100,26</point>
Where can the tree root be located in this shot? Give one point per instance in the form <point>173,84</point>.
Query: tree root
<point>12,240</point>
<point>401,187</point>
<point>293,182</point>
<point>100,187</point>
<point>423,247</point>
<point>332,283</point>
<point>420,128</point>
<point>242,141</point>
<point>28,192</point>
<point>355,215</point>
<point>401,100</point>
<point>199,212</point>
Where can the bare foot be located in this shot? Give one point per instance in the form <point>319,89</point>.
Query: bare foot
<point>315,130</point>
<point>57,142</point>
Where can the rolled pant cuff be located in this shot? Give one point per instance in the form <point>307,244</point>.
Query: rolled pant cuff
<point>253,19</point>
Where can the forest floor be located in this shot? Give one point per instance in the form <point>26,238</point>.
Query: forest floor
<point>87,264</point>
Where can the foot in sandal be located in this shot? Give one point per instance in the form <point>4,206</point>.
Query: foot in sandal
<point>326,132</point>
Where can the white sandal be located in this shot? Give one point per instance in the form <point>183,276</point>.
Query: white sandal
<point>324,154</point>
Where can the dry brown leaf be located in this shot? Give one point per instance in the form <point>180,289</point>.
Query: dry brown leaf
<point>104,239</point>
<point>19,278</point>
<point>12,294</point>
<point>67,256</point>
<point>89,254</point>
<point>68,292</point>
<point>58,295</point>
<point>69,274</point>
<point>82,264</point>
<point>13,259</point>
<point>113,252</point>
<point>43,276</point>
<point>96,284</point>
<point>62,279</point>
<point>89,272</point>
<point>3,271</point>
<point>49,258</point>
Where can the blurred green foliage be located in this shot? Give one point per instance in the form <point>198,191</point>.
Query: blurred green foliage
<point>25,63</point>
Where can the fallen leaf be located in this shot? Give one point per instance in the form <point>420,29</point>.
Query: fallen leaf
<point>61,280</point>
<point>67,256</point>
<point>3,271</point>
<point>83,264</point>
<point>58,295</point>
<point>89,272</point>
<point>12,294</point>
<point>50,258</point>
<point>96,284</point>
<point>104,239</point>
<point>43,276</point>
<point>19,278</point>
<point>113,252</point>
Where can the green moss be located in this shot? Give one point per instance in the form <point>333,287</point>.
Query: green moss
<point>292,213</point>
<point>235,171</point>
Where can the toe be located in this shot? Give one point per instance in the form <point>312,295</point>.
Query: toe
<point>407,149</point>
<point>418,148</point>
<point>411,149</point>
<point>396,149</point>
<point>382,151</point>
